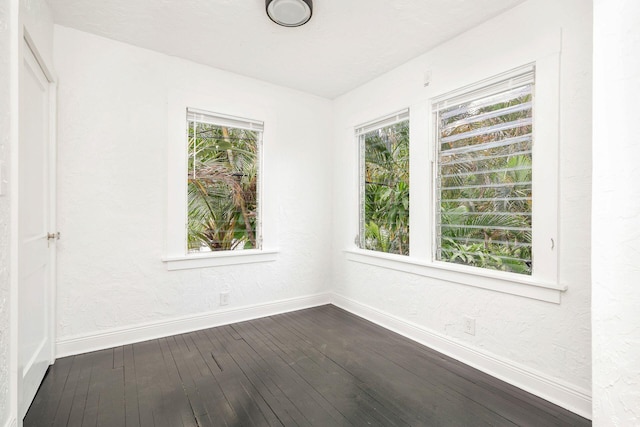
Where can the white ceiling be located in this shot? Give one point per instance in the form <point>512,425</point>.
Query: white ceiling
<point>346,43</point>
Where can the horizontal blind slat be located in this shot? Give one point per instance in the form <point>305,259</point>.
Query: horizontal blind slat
<point>479,158</point>
<point>487,146</point>
<point>487,130</point>
<point>489,199</point>
<point>501,185</point>
<point>502,97</point>
<point>490,242</point>
<point>487,214</point>
<point>489,115</point>
<point>486,171</point>
<point>485,227</point>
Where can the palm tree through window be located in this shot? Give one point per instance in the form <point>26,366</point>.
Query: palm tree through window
<point>222,183</point>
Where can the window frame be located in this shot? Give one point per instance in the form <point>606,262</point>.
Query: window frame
<point>223,120</point>
<point>544,283</point>
<point>176,255</point>
<point>360,132</point>
<point>484,88</point>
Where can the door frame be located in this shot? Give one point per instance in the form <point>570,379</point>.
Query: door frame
<point>25,41</point>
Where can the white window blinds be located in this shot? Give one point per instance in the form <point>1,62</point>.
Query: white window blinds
<point>206,117</point>
<point>484,174</point>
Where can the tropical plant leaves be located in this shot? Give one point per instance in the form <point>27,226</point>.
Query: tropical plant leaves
<point>222,188</point>
<point>386,195</point>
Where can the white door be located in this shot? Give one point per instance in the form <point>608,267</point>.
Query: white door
<point>34,249</point>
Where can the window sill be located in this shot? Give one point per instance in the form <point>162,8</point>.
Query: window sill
<point>496,281</point>
<point>219,259</point>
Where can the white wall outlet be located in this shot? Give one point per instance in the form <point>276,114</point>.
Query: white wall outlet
<point>469,325</point>
<point>224,298</point>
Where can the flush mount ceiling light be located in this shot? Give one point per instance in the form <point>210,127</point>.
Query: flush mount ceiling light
<point>289,13</point>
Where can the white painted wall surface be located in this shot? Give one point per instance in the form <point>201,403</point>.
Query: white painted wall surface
<point>616,214</point>
<point>6,26</point>
<point>549,340</point>
<point>112,189</point>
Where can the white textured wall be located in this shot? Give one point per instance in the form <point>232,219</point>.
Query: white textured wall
<point>5,108</point>
<point>112,148</point>
<point>616,214</point>
<point>550,339</point>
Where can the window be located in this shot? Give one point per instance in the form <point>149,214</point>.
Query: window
<point>384,184</point>
<point>215,204</point>
<point>484,182</point>
<point>222,182</point>
<point>483,188</point>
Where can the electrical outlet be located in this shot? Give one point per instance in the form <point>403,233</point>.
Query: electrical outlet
<point>469,325</point>
<point>224,298</point>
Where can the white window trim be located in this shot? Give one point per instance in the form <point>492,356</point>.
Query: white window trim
<point>176,256</point>
<point>484,88</point>
<point>360,131</point>
<point>218,259</point>
<point>543,284</point>
<point>509,283</point>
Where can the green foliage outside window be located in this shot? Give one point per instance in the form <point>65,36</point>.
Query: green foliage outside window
<point>485,190</point>
<point>222,188</point>
<point>385,225</point>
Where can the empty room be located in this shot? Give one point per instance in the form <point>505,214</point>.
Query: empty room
<point>319,213</point>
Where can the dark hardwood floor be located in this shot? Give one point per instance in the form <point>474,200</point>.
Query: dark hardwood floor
<point>315,367</point>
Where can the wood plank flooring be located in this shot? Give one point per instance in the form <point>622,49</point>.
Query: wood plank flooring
<point>316,367</point>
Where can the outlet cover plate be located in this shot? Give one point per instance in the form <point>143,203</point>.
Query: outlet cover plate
<point>469,325</point>
<point>224,298</point>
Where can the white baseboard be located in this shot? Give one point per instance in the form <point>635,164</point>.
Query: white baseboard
<point>68,346</point>
<point>568,396</point>
<point>556,391</point>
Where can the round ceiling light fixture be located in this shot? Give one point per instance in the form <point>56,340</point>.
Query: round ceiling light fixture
<point>289,13</point>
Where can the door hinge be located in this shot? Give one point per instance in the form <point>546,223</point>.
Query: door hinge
<point>52,236</point>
